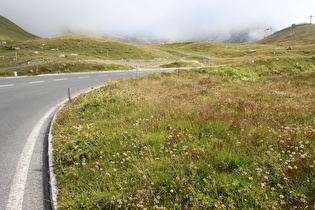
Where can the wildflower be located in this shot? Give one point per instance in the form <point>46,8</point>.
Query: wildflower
<point>250,178</point>
<point>281,196</point>
<point>172,191</point>
<point>282,202</point>
<point>266,177</point>
<point>289,167</point>
<point>308,179</point>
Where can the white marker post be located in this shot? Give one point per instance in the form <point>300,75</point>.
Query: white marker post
<point>69,94</point>
<point>137,71</point>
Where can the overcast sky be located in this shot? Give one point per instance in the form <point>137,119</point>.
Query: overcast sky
<point>166,18</point>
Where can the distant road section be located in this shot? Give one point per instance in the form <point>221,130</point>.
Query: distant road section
<point>26,107</point>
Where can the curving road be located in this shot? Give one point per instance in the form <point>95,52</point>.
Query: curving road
<point>27,105</point>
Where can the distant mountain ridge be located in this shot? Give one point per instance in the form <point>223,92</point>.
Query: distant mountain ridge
<point>303,34</point>
<point>10,31</point>
<point>236,36</point>
<point>295,35</point>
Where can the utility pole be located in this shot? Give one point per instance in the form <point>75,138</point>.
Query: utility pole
<point>311,19</point>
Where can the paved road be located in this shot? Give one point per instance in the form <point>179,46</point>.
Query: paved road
<point>26,107</point>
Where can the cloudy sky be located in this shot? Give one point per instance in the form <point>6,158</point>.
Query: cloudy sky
<point>163,18</point>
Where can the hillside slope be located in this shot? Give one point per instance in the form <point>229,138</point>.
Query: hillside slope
<point>294,35</point>
<point>10,31</point>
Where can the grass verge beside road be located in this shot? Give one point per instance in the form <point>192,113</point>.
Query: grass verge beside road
<point>232,137</point>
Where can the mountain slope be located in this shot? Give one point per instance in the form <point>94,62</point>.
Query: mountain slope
<point>10,31</point>
<point>294,35</point>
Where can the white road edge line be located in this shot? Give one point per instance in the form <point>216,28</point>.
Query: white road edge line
<point>83,77</point>
<point>10,85</point>
<point>17,189</point>
<point>16,195</point>
<point>104,75</point>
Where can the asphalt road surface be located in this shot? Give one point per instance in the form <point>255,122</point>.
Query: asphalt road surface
<point>27,105</point>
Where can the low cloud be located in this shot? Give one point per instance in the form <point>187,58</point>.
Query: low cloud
<point>171,19</point>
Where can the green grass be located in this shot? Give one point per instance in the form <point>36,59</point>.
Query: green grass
<point>204,138</point>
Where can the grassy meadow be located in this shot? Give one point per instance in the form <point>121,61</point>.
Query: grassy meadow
<point>50,53</point>
<point>223,53</point>
<point>231,137</point>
